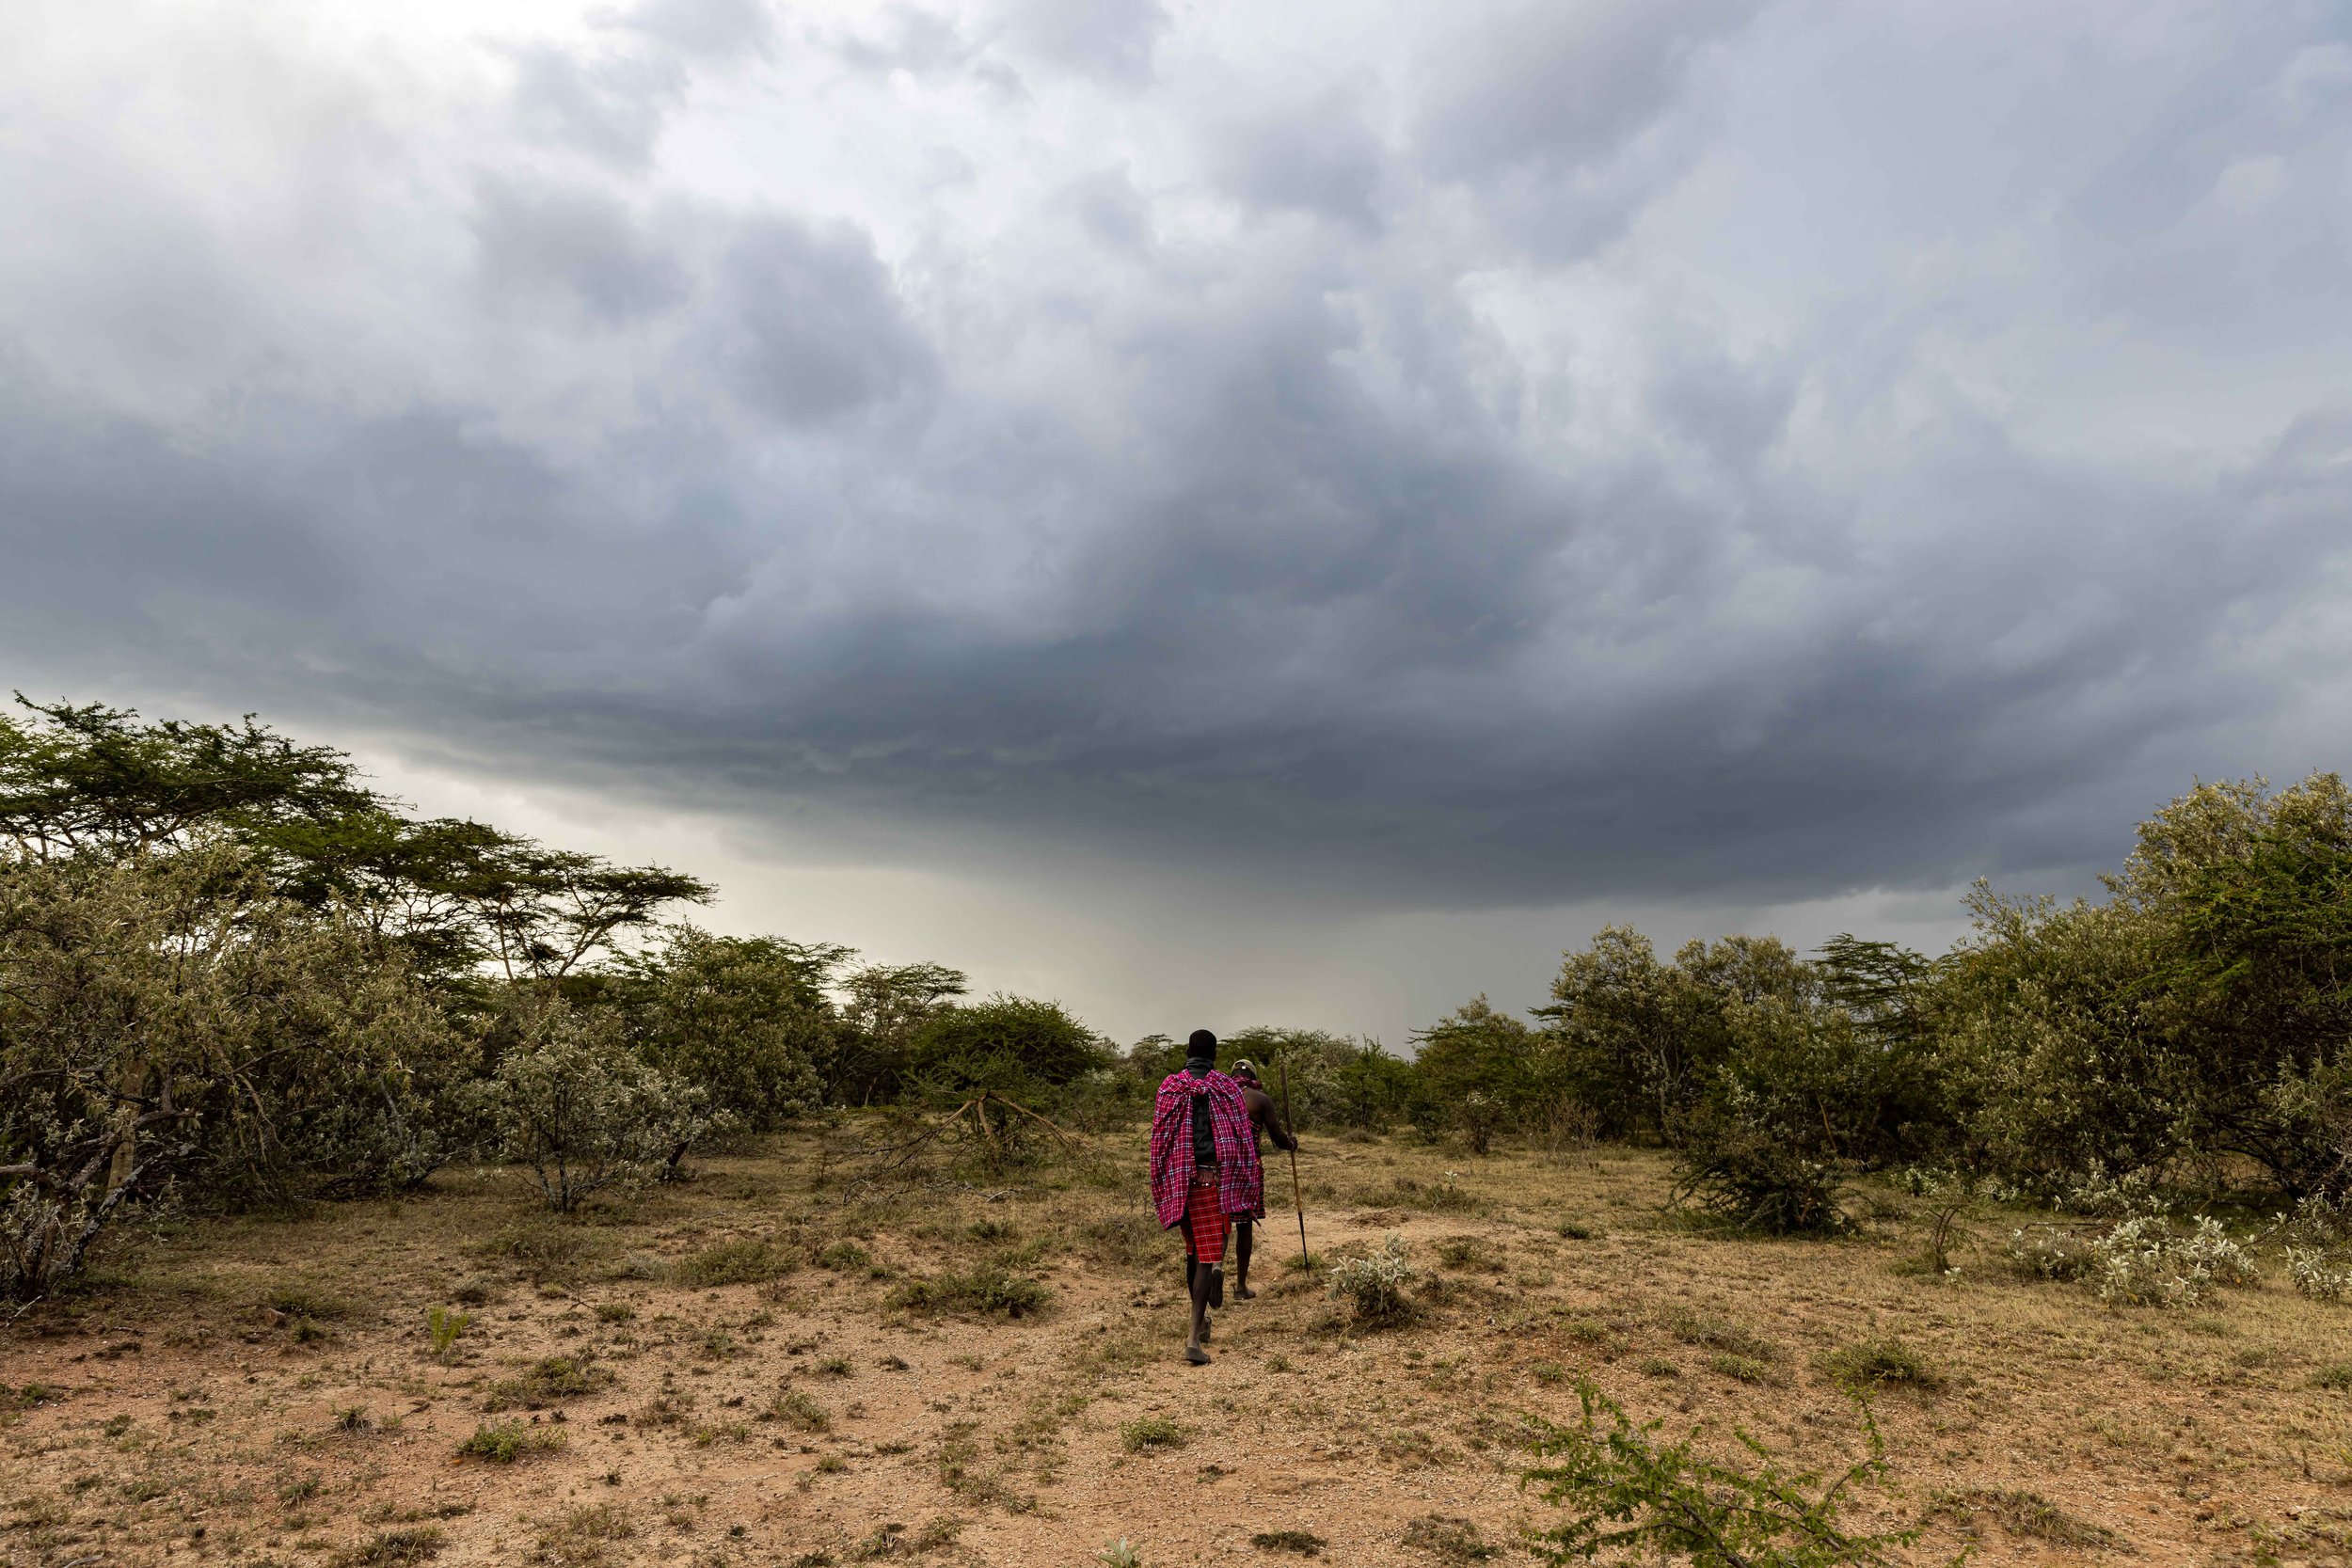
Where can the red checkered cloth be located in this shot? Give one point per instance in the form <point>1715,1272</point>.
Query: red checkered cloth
<point>1205,1222</point>
<point>1241,1177</point>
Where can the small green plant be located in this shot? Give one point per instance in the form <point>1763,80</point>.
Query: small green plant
<point>396,1548</point>
<point>1153,1431</point>
<point>1576,1230</point>
<point>746,1261</point>
<point>1867,1364</point>
<point>444,1326</point>
<point>831,1366</point>
<point>505,1442</point>
<point>2336,1376</point>
<point>989,1291</point>
<point>1119,1554</point>
<point>1548,1372</point>
<point>1298,1540</point>
<point>616,1312</point>
<point>844,1257</point>
<point>1629,1495</point>
<point>1372,1286</point>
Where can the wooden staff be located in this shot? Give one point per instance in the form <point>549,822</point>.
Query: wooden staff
<point>1306,1260</point>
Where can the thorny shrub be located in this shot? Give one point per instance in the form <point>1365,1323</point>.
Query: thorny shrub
<point>1630,1493</point>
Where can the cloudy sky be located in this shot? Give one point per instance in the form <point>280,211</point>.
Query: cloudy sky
<point>1216,513</point>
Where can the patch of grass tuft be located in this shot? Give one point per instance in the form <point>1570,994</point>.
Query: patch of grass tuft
<point>1297,1541</point>
<point>747,1261</point>
<point>1880,1362</point>
<point>986,1290</point>
<point>547,1382</point>
<point>392,1548</point>
<point>1448,1539</point>
<point>1708,1332</point>
<point>2031,1516</point>
<point>1741,1369</point>
<point>505,1442</point>
<point>844,1257</point>
<point>1153,1431</point>
<point>580,1537</point>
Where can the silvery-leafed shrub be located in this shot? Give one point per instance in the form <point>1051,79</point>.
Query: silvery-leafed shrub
<point>2319,1275</point>
<point>2144,1262</point>
<point>1372,1286</point>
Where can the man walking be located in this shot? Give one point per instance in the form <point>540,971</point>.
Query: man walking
<point>1263,1118</point>
<point>1204,1171</point>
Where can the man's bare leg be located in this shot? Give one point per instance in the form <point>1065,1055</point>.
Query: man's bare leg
<point>1242,1229</point>
<point>1193,1352</point>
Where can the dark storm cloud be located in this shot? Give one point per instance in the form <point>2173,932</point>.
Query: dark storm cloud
<point>1623,451</point>
<point>809,321</point>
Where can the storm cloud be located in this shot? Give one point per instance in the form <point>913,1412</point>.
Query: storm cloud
<point>1386,458</point>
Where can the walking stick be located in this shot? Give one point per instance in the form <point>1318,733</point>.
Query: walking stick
<point>1306,1261</point>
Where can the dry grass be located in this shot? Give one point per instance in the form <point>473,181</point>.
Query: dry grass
<point>175,1411</point>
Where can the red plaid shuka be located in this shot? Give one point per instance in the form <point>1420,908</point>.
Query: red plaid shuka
<point>1241,1180</point>
<point>1205,1223</point>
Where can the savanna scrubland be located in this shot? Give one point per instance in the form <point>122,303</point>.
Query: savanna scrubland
<point>378,1190</point>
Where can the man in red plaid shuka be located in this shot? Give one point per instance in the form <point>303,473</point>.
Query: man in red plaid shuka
<point>1204,1171</point>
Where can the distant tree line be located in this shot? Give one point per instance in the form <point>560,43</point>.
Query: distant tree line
<point>232,973</point>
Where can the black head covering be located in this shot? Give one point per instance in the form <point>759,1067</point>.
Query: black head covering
<point>1200,1051</point>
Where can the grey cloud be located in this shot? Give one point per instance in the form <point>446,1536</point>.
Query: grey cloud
<point>1318,155</point>
<point>913,39</point>
<point>1110,208</point>
<point>810,323</point>
<point>575,242</point>
<point>1113,39</point>
<point>707,29</point>
<point>609,107</point>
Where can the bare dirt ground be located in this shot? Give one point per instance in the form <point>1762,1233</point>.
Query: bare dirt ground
<point>265,1391</point>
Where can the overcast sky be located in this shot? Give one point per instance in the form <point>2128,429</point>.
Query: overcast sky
<point>1216,513</point>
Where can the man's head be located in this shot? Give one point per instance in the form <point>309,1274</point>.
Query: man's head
<point>1246,1071</point>
<point>1201,1047</point>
